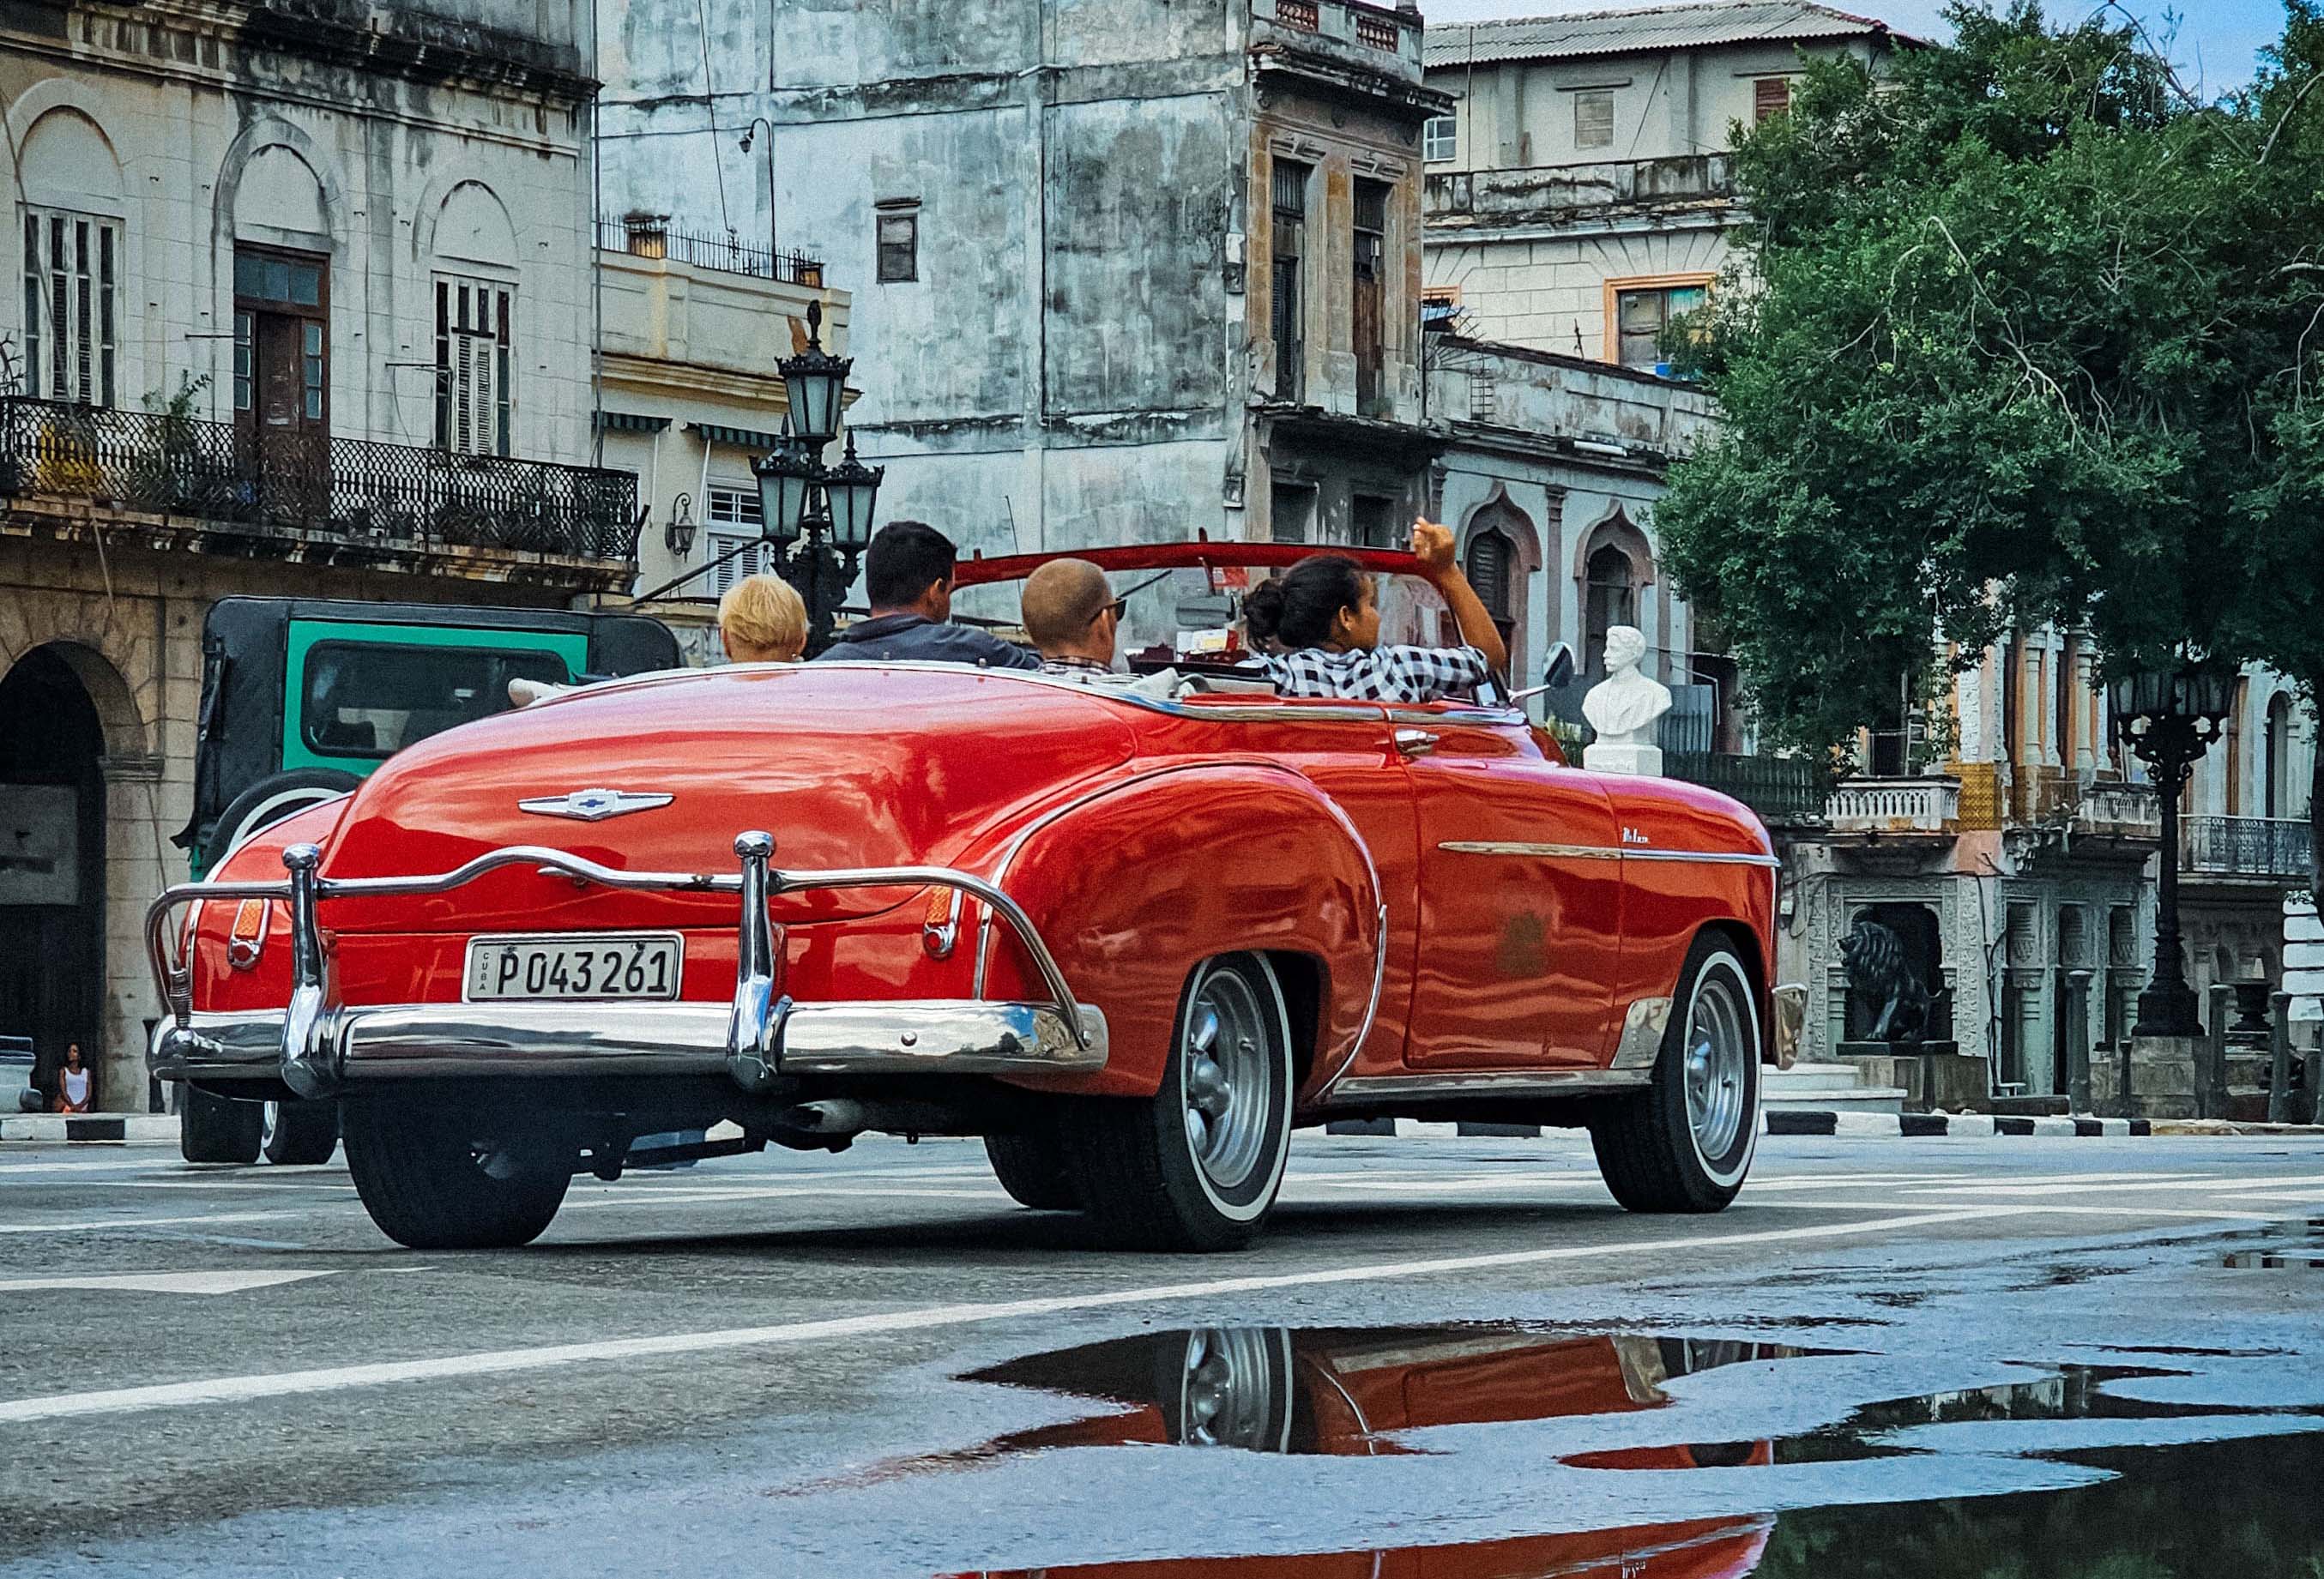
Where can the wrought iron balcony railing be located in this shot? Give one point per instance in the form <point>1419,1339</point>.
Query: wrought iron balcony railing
<point>391,494</point>
<point>2246,847</point>
<point>1781,789</point>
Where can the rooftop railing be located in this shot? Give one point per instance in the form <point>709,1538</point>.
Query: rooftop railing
<point>285,480</point>
<point>725,254</point>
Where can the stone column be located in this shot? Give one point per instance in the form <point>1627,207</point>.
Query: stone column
<point>137,863</point>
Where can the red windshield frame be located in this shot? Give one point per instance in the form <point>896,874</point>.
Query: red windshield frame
<point>977,571</point>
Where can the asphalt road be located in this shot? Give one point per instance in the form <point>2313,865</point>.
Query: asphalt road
<point>758,1366</point>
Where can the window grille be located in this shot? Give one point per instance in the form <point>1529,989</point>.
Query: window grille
<point>71,276</point>
<point>473,366</point>
<point>1593,119</point>
<point>1378,32</point>
<point>899,244</point>
<point>1302,15</point>
<point>1284,318</point>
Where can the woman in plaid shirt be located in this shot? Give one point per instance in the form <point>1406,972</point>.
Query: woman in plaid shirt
<point>1324,614</point>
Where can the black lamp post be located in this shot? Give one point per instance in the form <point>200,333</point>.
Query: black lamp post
<point>2169,718</point>
<point>818,517</point>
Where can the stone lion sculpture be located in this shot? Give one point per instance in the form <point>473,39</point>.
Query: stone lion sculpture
<point>1873,957</point>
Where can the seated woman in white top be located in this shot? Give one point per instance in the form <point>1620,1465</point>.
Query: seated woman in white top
<point>1324,613</point>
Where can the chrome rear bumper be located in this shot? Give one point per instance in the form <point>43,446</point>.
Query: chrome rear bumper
<point>318,1046</point>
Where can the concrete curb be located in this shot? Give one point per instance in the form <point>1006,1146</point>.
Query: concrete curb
<point>150,1128</point>
<point>1868,1125</point>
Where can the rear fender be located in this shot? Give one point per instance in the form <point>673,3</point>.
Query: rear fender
<point>257,859</point>
<point>1135,882</point>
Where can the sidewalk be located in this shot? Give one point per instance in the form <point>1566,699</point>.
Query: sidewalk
<point>156,1128</point>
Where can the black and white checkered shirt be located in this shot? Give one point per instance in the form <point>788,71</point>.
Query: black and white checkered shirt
<point>1380,673</point>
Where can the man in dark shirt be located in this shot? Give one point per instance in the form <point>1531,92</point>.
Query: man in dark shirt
<point>908,577</point>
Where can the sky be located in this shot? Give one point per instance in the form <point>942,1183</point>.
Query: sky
<point>2215,47</point>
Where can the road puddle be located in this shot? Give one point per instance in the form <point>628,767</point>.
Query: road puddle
<point>2132,1471</point>
<point>2246,1509</point>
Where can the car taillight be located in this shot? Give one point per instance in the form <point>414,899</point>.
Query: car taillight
<point>247,941</point>
<point>940,926</point>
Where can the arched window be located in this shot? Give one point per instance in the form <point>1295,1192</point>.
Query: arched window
<point>1492,572</point>
<point>2278,756</point>
<point>1609,598</point>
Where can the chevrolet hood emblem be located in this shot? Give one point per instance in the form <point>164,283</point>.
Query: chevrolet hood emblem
<point>594,806</point>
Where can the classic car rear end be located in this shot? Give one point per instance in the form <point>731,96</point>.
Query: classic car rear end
<point>1130,940</point>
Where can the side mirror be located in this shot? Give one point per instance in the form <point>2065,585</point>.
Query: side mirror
<point>1556,675</point>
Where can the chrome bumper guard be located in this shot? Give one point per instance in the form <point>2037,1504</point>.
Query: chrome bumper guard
<point>317,1046</point>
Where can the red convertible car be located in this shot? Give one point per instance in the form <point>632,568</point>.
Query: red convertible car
<point>1132,938</point>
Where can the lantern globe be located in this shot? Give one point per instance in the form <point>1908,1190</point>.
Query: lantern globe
<point>787,478</point>
<point>853,490</point>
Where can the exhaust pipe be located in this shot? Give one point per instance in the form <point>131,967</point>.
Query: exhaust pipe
<point>837,1118</point>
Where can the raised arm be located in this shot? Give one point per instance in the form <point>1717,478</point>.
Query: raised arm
<point>1431,544</point>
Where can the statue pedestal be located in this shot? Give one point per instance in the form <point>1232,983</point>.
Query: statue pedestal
<point>1934,1075</point>
<point>1620,756</point>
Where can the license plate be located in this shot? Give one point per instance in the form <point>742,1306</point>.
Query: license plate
<point>575,965</point>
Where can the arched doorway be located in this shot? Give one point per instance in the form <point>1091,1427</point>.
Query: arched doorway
<point>52,857</point>
<point>2280,796</point>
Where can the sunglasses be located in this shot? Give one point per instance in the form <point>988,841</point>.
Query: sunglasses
<point>1120,605</point>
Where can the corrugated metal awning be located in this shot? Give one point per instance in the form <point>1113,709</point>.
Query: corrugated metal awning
<point>631,422</point>
<point>749,439</point>
<point>1649,30</point>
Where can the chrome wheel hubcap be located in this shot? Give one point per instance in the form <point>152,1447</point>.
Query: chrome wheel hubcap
<point>1718,1050</point>
<point>1223,1399</point>
<point>1224,1056</point>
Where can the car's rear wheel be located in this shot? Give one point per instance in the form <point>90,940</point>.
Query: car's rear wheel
<point>436,1178</point>
<point>1685,1143</point>
<point>218,1129</point>
<point>300,1133</point>
<point>1033,1170</point>
<point>1197,1165</point>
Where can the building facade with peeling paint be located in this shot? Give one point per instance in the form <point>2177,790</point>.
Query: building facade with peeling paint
<point>1124,271</point>
<point>300,306</point>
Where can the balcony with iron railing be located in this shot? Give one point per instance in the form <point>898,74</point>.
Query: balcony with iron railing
<point>1784,791</point>
<point>336,495</point>
<point>2270,850</point>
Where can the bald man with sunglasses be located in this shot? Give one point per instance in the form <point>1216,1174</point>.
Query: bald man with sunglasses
<point>1073,616</point>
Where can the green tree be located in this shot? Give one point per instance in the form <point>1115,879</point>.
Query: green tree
<point>2027,335</point>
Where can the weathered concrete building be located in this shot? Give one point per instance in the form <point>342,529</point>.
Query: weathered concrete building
<point>1578,195</point>
<point>304,307</point>
<point>690,331</point>
<point>1122,270</point>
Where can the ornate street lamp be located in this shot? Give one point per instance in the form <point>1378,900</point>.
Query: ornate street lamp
<point>819,518</point>
<point>2169,718</point>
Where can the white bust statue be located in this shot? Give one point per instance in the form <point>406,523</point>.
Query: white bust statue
<point>1623,708</point>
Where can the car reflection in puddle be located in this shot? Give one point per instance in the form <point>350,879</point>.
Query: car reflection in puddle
<point>1353,1391</point>
<point>1342,1391</point>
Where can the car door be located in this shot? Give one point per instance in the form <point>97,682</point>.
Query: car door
<point>1344,748</point>
<point>1520,897</point>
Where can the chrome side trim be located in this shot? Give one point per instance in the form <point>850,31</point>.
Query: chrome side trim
<point>1715,858</point>
<point>1577,852</point>
<point>1491,1083</point>
<point>1605,853</point>
<point>1643,1025</point>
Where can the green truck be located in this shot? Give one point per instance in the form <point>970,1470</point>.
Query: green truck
<point>302,698</point>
